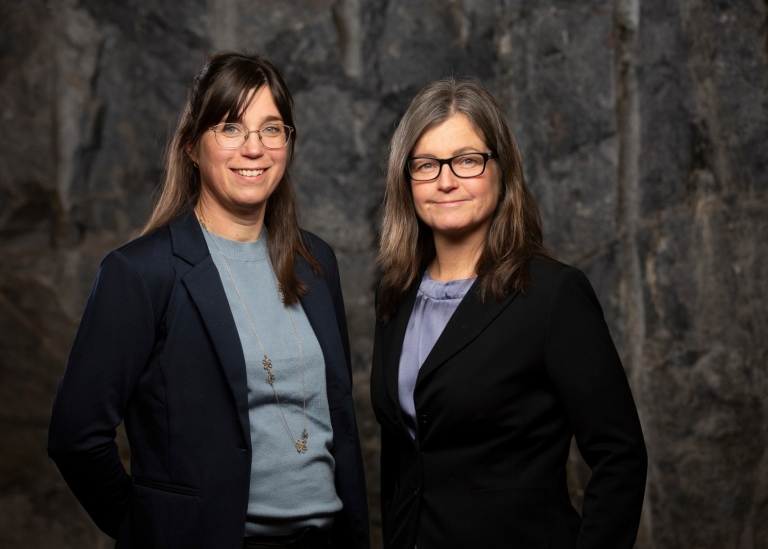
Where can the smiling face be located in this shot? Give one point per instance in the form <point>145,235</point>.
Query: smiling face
<point>236,183</point>
<point>454,207</point>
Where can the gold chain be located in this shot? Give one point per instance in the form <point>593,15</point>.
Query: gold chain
<point>299,443</point>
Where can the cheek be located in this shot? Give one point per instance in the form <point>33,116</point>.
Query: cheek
<point>495,196</point>
<point>493,192</point>
<point>280,167</point>
<point>210,150</point>
<point>213,170</point>
<point>418,198</point>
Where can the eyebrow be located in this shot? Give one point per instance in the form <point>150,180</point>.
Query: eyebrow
<point>457,152</point>
<point>265,120</point>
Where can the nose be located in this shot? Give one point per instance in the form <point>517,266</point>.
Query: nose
<point>445,179</point>
<point>252,145</point>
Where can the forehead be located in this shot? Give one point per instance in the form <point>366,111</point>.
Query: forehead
<point>259,106</point>
<point>453,136</point>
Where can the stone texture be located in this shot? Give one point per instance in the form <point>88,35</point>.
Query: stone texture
<point>643,125</point>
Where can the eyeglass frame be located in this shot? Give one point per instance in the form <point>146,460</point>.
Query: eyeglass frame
<point>249,131</point>
<point>442,161</point>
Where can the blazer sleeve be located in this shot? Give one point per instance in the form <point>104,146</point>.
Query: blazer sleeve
<point>588,376</point>
<point>112,346</point>
<point>354,531</point>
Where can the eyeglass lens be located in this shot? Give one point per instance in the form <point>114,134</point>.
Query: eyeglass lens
<point>232,136</point>
<point>465,165</point>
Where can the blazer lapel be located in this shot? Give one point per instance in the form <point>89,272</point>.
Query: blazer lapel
<point>319,308</point>
<point>203,283</point>
<point>468,321</point>
<point>393,335</point>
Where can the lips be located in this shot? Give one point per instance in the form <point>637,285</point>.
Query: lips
<point>248,173</point>
<point>448,202</point>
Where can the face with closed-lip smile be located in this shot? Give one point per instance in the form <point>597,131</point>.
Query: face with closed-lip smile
<point>451,206</point>
<point>236,183</point>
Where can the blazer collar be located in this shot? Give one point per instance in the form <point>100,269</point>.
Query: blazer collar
<point>204,285</point>
<point>187,237</point>
<point>471,317</point>
<point>203,282</point>
<point>319,307</point>
<point>393,335</point>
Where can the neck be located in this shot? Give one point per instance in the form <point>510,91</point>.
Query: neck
<point>455,260</point>
<point>240,228</point>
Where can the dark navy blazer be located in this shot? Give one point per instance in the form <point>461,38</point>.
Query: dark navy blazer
<point>506,387</point>
<point>157,348</point>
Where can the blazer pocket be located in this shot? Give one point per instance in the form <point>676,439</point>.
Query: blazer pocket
<point>509,517</point>
<point>165,515</point>
<point>166,487</point>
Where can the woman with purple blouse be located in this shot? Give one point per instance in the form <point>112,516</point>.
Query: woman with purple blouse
<point>490,355</point>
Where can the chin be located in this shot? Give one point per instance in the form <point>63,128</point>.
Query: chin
<point>454,231</point>
<point>458,230</point>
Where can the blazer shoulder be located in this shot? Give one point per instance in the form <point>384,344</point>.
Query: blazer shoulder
<point>558,283</point>
<point>552,278</point>
<point>151,259</point>
<point>147,249</point>
<point>545,271</point>
<point>157,251</point>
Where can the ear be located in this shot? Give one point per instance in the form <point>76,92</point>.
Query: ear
<point>191,152</point>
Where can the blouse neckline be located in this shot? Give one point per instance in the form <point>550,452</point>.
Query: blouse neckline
<point>240,251</point>
<point>450,289</point>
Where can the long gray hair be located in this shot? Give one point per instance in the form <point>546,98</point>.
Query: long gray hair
<point>406,244</point>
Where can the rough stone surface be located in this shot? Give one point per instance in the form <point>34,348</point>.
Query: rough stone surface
<point>643,125</point>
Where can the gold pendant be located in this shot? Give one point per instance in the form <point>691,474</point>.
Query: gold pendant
<point>268,367</point>
<point>301,443</point>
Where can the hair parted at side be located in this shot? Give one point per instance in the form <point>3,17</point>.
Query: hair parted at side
<point>406,246</point>
<point>221,92</point>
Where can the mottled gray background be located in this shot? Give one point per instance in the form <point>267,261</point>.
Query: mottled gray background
<point>644,129</point>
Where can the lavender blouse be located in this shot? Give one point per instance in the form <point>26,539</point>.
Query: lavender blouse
<point>434,306</point>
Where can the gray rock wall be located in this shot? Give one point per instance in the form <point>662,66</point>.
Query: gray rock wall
<point>644,129</point>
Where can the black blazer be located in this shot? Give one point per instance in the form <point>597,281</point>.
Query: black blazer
<point>158,348</point>
<point>506,386</point>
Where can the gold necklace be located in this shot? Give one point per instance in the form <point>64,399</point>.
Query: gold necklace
<point>299,443</point>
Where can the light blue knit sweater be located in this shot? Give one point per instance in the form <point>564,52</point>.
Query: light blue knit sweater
<point>288,490</point>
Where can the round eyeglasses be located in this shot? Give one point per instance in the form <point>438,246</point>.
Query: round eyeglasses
<point>230,135</point>
<point>424,168</point>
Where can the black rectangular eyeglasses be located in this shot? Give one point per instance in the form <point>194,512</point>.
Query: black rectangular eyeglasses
<point>425,168</point>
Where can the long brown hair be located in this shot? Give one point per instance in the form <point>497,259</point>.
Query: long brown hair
<point>406,245</point>
<point>221,89</point>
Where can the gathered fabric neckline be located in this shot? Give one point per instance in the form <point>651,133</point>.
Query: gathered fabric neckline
<point>450,289</point>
